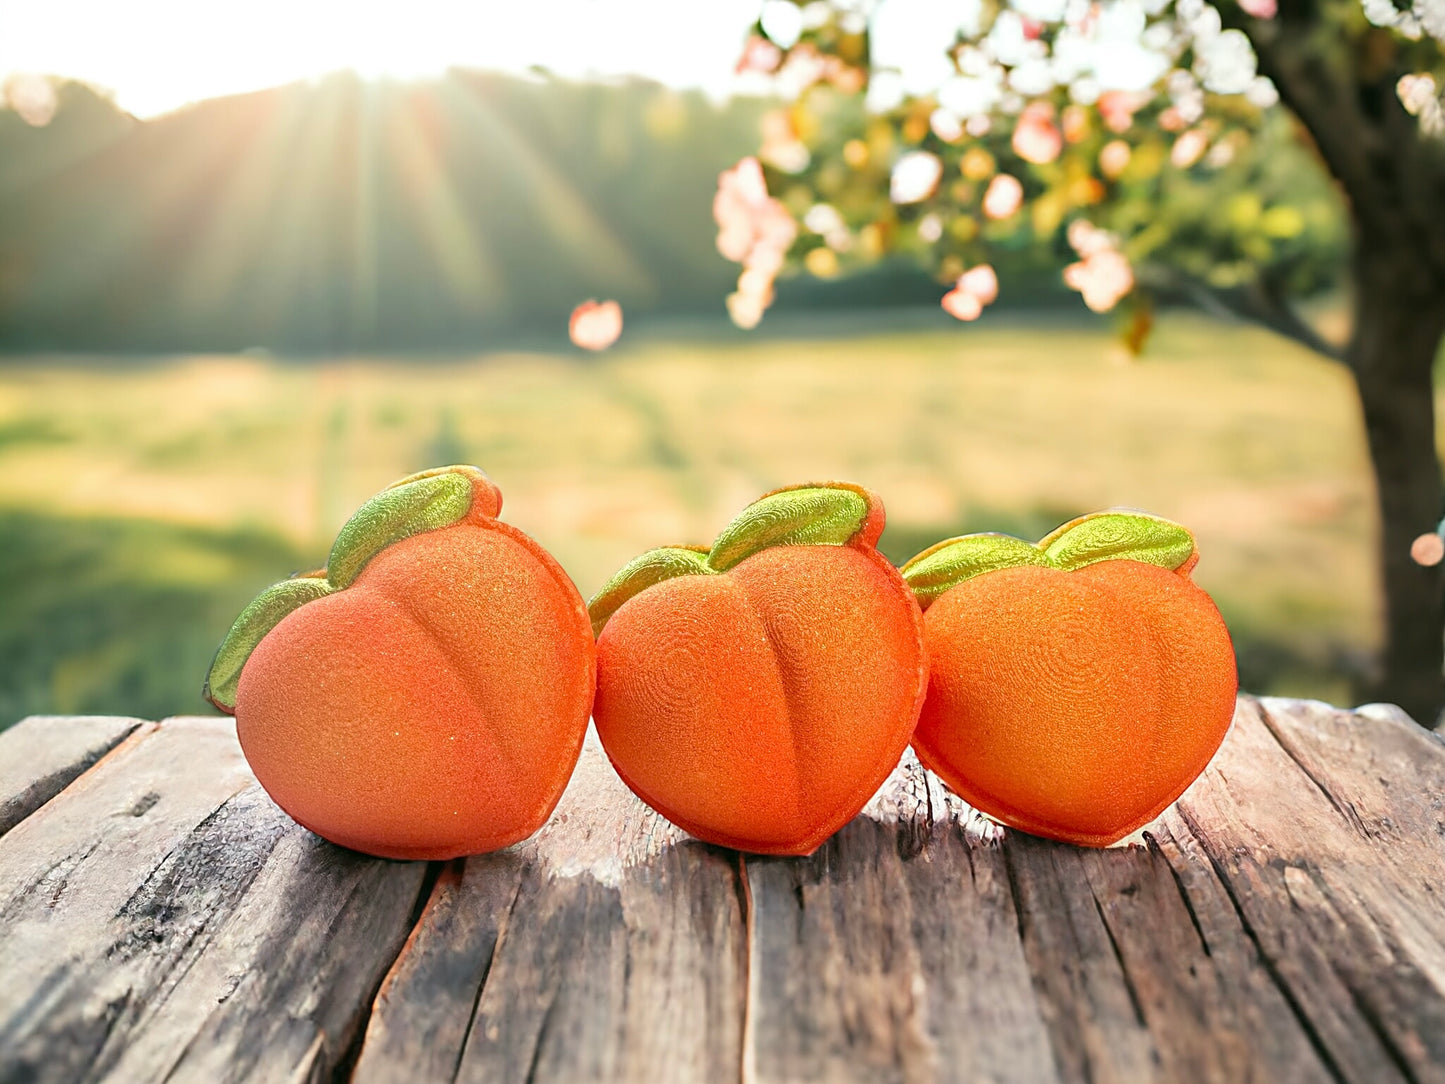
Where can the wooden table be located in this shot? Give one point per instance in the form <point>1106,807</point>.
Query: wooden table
<point>161,919</point>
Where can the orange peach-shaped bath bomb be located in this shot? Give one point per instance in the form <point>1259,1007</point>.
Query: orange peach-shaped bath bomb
<point>1077,686</point>
<point>757,694</point>
<point>424,696</point>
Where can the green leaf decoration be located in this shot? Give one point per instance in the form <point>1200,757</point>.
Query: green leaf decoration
<point>1103,536</point>
<point>262,615</point>
<point>424,504</point>
<point>948,564</point>
<point>809,516</point>
<point>486,497</point>
<point>639,574</point>
<point>1116,536</point>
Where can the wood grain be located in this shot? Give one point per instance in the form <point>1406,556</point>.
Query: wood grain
<point>1284,921</point>
<point>162,919</point>
<point>869,958</point>
<point>1349,925</point>
<point>41,755</point>
<point>609,946</point>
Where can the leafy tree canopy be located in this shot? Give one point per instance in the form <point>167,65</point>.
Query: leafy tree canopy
<point>1135,141</point>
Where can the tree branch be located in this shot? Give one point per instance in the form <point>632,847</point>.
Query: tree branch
<point>1393,180</point>
<point>1257,303</point>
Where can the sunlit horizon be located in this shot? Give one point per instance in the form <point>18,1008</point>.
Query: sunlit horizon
<point>155,56</point>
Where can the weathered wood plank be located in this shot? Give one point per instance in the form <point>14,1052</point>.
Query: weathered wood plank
<point>893,952</point>
<point>1386,776</point>
<point>608,947</point>
<point>915,947</point>
<point>1344,922</point>
<point>1382,772</point>
<point>1251,1025</point>
<point>162,919</point>
<point>41,755</point>
<point>1096,1022</point>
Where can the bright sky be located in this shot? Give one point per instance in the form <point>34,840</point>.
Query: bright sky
<point>156,55</point>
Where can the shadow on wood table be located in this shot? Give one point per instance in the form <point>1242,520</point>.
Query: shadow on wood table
<point>161,919</point>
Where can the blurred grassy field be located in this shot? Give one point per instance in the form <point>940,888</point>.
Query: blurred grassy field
<point>143,502</point>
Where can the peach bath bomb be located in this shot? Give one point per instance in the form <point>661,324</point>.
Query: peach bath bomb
<point>758,693</point>
<point>1077,686</point>
<point>426,694</point>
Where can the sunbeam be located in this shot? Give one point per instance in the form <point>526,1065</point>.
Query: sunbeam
<point>593,250</point>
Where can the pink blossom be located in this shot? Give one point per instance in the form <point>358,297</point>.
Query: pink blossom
<point>32,97</point>
<point>846,78</point>
<point>759,55</point>
<point>594,325</point>
<point>745,310</point>
<point>1005,195</point>
<point>1103,277</point>
<point>976,288</point>
<point>1416,92</point>
<point>757,283</point>
<point>1188,148</point>
<point>1118,107</point>
<point>1260,9</point>
<point>781,147</point>
<point>1172,120</point>
<point>946,125</point>
<point>1114,158</point>
<point>1085,238</point>
<point>804,67</point>
<point>1075,123</point>
<point>748,218</point>
<point>961,305</point>
<point>1036,138</point>
<point>1428,550</point>
<point>981,281</point>
<point>754,230</point>
<point>915,176</point>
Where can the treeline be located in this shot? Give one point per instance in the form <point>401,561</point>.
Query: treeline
<point>345,214</point>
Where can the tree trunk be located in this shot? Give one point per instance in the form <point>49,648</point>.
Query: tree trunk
<point>1399,321</point>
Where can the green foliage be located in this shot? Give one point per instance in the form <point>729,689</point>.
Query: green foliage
<point>1252,205</point>
<point>120,616</point>
<point>356,215</point>
<point>348,214</point>
<point>1017,426</point>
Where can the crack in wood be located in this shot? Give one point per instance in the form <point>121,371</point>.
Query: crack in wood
<point>1123,966</point>
<point>1302,1018</point>
<point>503,924</point>
<point>542,1033</point>
<point>1153,844</point>
<point>1371,1017</point>
<point>42,755</point>
<point>1344,807</point>
<point>477,1000</point>
<point>747,1056</point>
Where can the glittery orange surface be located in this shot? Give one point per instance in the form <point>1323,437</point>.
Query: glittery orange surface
<point>1075,705</point>
<point>761,708</point>
<point>435,707</point>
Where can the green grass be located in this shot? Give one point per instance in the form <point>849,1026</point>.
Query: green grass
<point>107,616</point>
<point>142,503</point>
